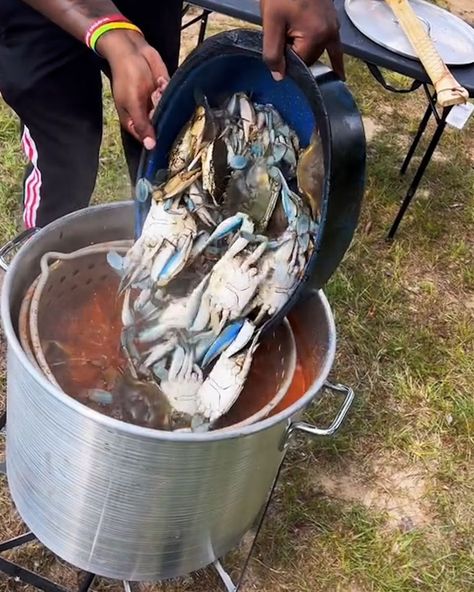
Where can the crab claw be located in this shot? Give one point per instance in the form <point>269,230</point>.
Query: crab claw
<point>158,352</point>
<point>243,337</point>
<point>224,340</point>
<point>225,382</point>
<point>194,201</point>
<point>127,314</point>
<point>231,340</point>
<point>143,190</point>
<point>199,245</point>
<point>137,263</point>
<point>194,301</point>
<point>183,381</point>
<point>236,222</point>
<point>116,262</point>
<point>99,396</point>
<point>238,162</point>
<point>287,196</point>
<point>173,265</point>
<point>201,343</point>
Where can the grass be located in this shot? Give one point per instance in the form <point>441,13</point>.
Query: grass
<point>386,505</point>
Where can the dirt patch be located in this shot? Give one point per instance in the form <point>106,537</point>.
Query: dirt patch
<point>387,487</point>
<point>371,128</point>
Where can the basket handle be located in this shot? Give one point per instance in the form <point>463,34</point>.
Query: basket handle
<point>15,243</point>
<point>448,90</point>
<point>312,430</point>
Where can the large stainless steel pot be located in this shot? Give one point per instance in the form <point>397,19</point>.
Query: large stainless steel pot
<point>127,502</point>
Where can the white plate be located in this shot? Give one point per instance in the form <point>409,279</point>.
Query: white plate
<point>453,37</point>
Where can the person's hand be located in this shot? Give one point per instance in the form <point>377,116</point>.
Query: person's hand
<point>309,26</point>
<point>139,77</point>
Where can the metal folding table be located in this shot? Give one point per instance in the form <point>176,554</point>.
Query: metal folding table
<point>355,44</point>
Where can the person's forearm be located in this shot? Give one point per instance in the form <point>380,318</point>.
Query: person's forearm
<point>74,16</point>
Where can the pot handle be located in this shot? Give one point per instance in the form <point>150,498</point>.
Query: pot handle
<point>15,243</point>
<point>307,428</point>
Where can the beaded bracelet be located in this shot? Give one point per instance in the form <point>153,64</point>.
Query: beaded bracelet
<point>105,24</point>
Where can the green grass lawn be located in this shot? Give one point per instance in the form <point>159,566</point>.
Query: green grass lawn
<point>387,505</point>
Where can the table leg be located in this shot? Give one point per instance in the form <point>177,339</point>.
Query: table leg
<point>203,26</point>
<point>441,124</point>
<point>416,139</point>
<point>203,19</point>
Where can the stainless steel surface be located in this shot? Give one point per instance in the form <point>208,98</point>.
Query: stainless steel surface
<point>453,38</point>
<point>122,501</point>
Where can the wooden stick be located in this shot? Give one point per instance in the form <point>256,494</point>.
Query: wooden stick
<point>448,90</point>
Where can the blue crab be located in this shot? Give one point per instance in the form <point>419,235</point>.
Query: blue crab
<point>310,174</point>
<point>226,380</point>
<point>233,281</point>
<point>201,129</point>
<point>183,381</point>
<point>285,259</point>
<point>163,248</point>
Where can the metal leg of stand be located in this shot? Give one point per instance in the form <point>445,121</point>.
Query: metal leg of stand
<point>226,579</point>
<point>224,576</point>
<point>3,422</point>
<point>87,582</point>
<point>25,576</point>
<point>420,172</point>
<point>28,577</point>
<point>17,542</point>
<point>22,574</point>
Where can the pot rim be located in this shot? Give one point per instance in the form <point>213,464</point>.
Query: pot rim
<point>122,426</point>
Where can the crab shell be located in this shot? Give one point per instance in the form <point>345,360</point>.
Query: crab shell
<point>225,382</point>
<point>310,174</point>
<point>177,184</point>
<point>214,168</point>
<point>190,139</point>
